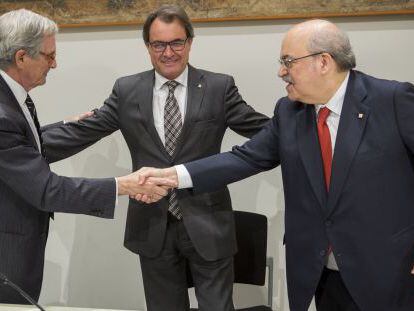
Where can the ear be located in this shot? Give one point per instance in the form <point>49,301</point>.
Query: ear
<point>189,42</point>
<point>326,62</point>
<point>19,57</point>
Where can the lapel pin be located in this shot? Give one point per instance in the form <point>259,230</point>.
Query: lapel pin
<point>360,115</point>
<point>199,86</point>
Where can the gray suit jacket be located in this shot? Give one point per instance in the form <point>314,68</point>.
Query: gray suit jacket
<point>213,105</point>
<point>29,192</point>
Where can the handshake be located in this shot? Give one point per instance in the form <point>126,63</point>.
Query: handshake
<point>148,184</point>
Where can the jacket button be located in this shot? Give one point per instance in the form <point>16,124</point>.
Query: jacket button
<point>322,253</point>
<point>328,223</point>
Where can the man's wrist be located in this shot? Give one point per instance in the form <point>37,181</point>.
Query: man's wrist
<point>183,177</point>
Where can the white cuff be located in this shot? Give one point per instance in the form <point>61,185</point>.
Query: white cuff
<point>116,192</point>
<point>184,178</point>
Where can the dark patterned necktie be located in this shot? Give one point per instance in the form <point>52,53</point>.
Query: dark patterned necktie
<point>172,128</point>
<point>32,109</point>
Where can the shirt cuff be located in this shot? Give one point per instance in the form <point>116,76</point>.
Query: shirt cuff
<point>184,177</point>
<point>116,192</point>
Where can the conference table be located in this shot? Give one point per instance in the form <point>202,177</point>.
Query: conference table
<point>51,308</point>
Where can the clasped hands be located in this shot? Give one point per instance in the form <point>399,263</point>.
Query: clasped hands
<point>148,184</point>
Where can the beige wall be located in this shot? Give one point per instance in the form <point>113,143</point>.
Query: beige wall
<point>86,264</point>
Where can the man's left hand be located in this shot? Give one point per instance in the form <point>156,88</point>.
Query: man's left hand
<point>80,116</point>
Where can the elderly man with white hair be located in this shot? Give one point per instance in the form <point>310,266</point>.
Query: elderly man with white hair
<point>29,191</point>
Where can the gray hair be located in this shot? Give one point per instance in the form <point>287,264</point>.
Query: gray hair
<point>22,30</point>
<point>334,41</point>
<point>168,14</point>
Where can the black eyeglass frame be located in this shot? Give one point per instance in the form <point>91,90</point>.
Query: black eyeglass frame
<point>175,45</point>
<point>289,61</point>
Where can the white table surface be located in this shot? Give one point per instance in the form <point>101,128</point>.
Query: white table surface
<point>51,308</point>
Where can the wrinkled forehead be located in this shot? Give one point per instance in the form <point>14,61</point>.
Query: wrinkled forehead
<point>294,43</point>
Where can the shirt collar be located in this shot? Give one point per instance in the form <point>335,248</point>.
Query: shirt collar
<point>160,80</point>
<point>18,91</point>
<point>336,102</point>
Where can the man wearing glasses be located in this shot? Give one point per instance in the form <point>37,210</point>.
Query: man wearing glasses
<point>29,191</point>
<point>345,144</point>
<point>169,115</point>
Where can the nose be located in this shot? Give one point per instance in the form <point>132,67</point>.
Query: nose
<point>283,71</point>
<point>168,51</point>
<point>53,64</point>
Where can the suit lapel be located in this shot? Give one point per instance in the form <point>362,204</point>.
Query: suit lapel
<point>145,91</point>
<point>354,116</point>
<point>195,92</point>
<point>7,98</point>
<point>309,150</point>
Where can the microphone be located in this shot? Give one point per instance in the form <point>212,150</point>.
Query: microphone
<point>6,281</point>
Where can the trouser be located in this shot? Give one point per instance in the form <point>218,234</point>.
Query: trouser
<point>165,276</point>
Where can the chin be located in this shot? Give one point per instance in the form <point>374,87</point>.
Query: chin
<point>170,75</point>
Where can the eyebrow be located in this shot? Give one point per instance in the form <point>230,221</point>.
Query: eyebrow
<point>178,39</point>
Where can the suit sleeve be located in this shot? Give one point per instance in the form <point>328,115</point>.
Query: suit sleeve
<point>26,173</point>
<point>404,107</point>
<point>259,154</point>
<point>64,140</point>
<point>240,117</point>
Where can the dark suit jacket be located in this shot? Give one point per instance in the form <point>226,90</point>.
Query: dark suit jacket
<point>368,214</point>
<point>29,192</point>
<point>213,105</point>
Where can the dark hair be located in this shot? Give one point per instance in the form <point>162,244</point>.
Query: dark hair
<point>168,14</point>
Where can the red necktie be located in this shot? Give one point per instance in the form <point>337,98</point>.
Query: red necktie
<point>325,143</point>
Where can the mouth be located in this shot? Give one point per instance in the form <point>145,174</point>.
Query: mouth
<point>169,62</point>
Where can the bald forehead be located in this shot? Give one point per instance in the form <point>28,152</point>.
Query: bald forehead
<point>295,42</point>
<point>312,27</point>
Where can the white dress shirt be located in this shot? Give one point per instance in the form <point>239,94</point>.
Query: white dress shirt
<point>335,106</point>
<point>20,93</point>
<point>160,94</point>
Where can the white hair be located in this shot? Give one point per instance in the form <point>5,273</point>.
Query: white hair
<point>22,30</point>
<point>326,37</point>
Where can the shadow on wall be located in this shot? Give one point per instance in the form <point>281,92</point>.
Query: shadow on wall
<point>101,272</point>
<point>52,283</point>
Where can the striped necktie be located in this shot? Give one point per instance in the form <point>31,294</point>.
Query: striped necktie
<point>32,109</point>
<point>172,128</point>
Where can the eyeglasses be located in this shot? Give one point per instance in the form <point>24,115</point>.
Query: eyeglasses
<point>289,61</point>
<point>51,57</point>
<point>161,46</point>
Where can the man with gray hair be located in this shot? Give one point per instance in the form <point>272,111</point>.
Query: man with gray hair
<point>29,191</point>
<point>345,144</point>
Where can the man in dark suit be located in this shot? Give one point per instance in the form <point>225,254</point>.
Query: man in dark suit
<point>170,115</point>
<point>345,143</point>
<point>29,191</point>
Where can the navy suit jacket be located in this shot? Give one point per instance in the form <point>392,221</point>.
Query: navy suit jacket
<point>368,214</point>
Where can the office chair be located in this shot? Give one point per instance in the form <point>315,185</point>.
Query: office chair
<point>250,261</point>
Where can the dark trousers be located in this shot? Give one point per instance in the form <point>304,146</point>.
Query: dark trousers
<point>165,276</point>
<point>332,295</point>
